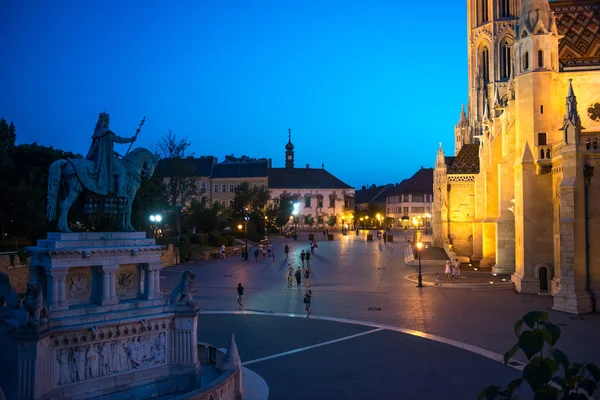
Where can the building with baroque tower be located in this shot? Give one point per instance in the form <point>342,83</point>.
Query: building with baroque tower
<point>517,194</point>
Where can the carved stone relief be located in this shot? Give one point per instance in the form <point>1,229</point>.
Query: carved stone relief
<point>87,355</point>
<point>79,285</point>
<point>127,284</point>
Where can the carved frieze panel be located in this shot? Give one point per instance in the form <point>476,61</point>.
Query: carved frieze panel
<point>85,355</point>
<point>79,285</point>
<point>128,281</point>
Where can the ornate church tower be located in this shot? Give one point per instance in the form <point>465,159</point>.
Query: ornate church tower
<point>491,34</point>
<point>289,151</point>
<point>462,133</point>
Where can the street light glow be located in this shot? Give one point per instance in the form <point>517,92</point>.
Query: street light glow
<point>419,245</point>
<point>295,211</point>
<point>240,227</point>
<point>155,218</point>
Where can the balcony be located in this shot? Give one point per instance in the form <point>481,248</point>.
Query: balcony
<point>543,159</point>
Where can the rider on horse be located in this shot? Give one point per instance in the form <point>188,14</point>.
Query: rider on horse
<point>107,172</point>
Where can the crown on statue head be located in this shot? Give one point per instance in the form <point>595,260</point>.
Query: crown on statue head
<point>103,120</point>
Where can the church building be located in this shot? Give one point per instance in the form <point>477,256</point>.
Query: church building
<point>521,193</point>
<point>319,194</point>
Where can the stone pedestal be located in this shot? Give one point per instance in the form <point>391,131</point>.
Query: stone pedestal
<point>109,331</point>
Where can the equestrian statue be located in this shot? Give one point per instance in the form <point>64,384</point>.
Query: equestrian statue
<point>102,171</point>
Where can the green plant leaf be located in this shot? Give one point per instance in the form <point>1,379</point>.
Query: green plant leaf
<point>552,332</point>
<point>513,385</point>
<point>560,358</point>
<point>537,375</point>
<point>534,316</point>
<point>508,355</point>
<point>489,393</point>
<point>588,385</point>
<point>594,371</point>
<point>560,382</point>
<point>546,393</point>
<point>518,327</point>
<point>552,364</point>
<point>531,342</point>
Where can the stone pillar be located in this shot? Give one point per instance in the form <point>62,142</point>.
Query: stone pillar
<point>34,367</point>
<point>51,289</point>
<point>505,224</point>
<point>573,296</point>
<point>62,287</point>
<point>152,289</point>
<point>108,290</point>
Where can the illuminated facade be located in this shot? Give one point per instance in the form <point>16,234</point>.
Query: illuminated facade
<point>521,203</point>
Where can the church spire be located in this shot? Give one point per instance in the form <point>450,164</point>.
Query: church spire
<point>536,17</point>
<point>571,123</point>
<point>289,151</point>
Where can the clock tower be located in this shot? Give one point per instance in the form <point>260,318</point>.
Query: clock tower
<point>289,151</point>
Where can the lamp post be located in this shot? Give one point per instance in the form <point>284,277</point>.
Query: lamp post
<point>378,216</point>
<point>154,221</point>
<point>343,225</point>
<point>295,214</point>
<point>420,281</point>
<point>246,219</point>
<point>266,221</point>
<point>361,222</point>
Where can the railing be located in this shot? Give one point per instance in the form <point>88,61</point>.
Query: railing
<point>543,153</point>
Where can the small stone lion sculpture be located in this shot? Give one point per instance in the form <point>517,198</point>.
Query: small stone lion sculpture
<point>34,304</point>
<point>182,294</point>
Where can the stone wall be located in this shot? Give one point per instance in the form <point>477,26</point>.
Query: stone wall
<point>18,274</point>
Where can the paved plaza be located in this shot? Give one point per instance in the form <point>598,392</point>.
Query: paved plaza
<point>372,333</point>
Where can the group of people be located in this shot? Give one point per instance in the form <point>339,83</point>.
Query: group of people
<point>266,251</point>
<point>451,271</point>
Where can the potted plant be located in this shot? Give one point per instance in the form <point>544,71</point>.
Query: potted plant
<point>331,222</point>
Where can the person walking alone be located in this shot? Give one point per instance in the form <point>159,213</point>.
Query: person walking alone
<point>298,276</point>
<point>307,276</point>
<point>287,251</point>
<point>457,266</point>
<point>302,256</point>
<point>307,259</point>
<point>289,272</point>
<point>447,270</point>
<point>256,253</point>
<point>240,291</point>
<point>307,298</point>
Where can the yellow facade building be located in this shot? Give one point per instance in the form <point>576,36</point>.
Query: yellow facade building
<point>521,195</point>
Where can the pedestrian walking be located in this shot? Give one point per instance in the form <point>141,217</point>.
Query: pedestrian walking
<point>298,276</point>
<point>256,253</point>
<point>269,252</point>
<point>307,298</point>
<point>289,272</point>
<point>302,256</point>
<point>447,270</point>
<point>307,259</point>
<point>312,247</point>
<point>287,251</point>
<point>438,282</point>
<point>240,291</point>
<point>324,233</point>
<point>454,272</point>
<point>273,254</point>
<point>307,276</point>
<point>457,266</point>
<point>316,246</point>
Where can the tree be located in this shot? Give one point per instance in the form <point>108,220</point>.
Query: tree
<point>178,173</point>
<point>8,137</point>
<point>309,220</point>
<point>251,200</point>
<point>24,185</point>
<point>151,198</point>
<point>545,361</point>
<point>284,211</point>
<point>331,221</point>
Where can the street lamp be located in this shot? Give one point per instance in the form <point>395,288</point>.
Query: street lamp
<point>155,220</point>
<point>378,216</point>
<point>295,214</point>
<point>266,234</point>
<point>246,219</point>
<point>420,281</point>
<point>343,225</point>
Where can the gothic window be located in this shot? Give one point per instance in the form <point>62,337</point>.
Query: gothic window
<point>485,64</point>
<point>525,61</point>
<point>505,59</point>
<point>505,8</point>
<point>540,58</point>
<point>482,11</point>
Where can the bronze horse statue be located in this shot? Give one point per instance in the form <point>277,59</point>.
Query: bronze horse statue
<point>72,173</point>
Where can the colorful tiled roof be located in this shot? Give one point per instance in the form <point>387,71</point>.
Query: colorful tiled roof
<point>579,22</point>
<point>466,161</point>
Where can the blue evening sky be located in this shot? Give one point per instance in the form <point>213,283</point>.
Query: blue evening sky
<point>368,87</point>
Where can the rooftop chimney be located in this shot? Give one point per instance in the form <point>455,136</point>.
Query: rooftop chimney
<point>307,166</point>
